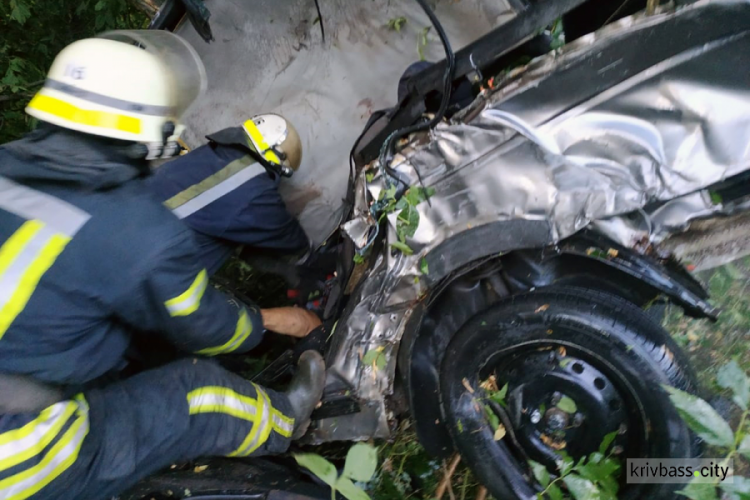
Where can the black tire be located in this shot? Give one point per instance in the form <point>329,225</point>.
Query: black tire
<point>612,336</point>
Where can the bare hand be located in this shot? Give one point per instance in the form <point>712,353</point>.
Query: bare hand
<point>292,321</point>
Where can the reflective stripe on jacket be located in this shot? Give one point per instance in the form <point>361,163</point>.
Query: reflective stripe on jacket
<point>88,256</point>
<point>223,194</point>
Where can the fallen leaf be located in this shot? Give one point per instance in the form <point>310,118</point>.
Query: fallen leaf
<point>542,308</point>
<point>563,352</point>
<point>500,432</point>
<point>612,253</point>
<point>555,445</point>
<point>590,251</point>
<point>550,332</point>
<point>468,387</point>
<point>200,468</point>
<point>490,384</point>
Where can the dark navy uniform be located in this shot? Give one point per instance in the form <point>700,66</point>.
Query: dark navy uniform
<point>228,199</point>
<point>88,257</point>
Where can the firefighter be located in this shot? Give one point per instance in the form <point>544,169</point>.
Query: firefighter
<point>227,191</point>
<point>88,260</point>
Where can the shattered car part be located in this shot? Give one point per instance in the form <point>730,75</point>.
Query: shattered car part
<point>637,118</point>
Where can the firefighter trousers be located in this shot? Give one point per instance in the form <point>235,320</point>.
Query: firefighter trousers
<point>103,441</point>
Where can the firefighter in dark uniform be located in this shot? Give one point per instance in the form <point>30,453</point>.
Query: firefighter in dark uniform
<point>227,191</point>
<point>88,259</point>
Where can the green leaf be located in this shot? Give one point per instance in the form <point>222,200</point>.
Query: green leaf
<point>492,418</point>
<point>358,258</point>
<point>565,464</point>
<point>403,247</point>
<point>407,222</point>
<point>716,198</point>
<point>732,377</point>
<point>349,490</point>
<point>361,462</point>
<point>607,441</point>
<point>701,418</point>
<point>322,468</point>
<point>580,488</point>
<point>744,447</point>
<point>567,405</point>
<point>699,491</point>
<point>20,11</point>
<point>397,23</point>
<point>371,356</point>
<point>100,5</point>
<point>540,473</point>
<point>499,396</point>
<point>422,42</point>
<point>554,492</point>
<point>565,362</point>
<point>369,176</point>
<point>737,487</point>
<point>423,267</point>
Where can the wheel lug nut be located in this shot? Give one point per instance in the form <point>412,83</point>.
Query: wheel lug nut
<point>536,417</point>
<point>578,419</point>
<point>556,397</point>
<point>623,429</point>
<point>617,450</point>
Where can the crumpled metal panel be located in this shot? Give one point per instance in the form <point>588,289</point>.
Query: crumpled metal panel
<point>623,129</point>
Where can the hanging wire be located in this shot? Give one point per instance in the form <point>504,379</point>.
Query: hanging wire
<point>320,19</point>
<point>386,152</point>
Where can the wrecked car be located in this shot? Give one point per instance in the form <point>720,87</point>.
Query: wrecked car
<point>519,242</point>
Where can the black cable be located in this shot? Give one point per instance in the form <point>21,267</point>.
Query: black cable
<point>450,57</point>
<point>320,19</point>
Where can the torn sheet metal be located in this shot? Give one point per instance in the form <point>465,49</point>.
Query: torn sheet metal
<point>268,57</point>
<point>633,121</point>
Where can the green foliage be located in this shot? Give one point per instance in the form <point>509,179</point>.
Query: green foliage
<point>407,220</point>
<point>567,405</point>
<point>422,42</point>
<point>732,377</point>
<point>423,267</point>
<point>712,428</point>
<point>34,32</point>
<point>593,478</point>
<point>361,463</point>
<point>397,23</point>
<point>375,358</point>
<point>701,418</point>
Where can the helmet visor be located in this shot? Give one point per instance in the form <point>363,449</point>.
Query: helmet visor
<point>178,57</point>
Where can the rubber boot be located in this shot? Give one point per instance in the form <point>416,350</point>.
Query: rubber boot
<point>306,390</point>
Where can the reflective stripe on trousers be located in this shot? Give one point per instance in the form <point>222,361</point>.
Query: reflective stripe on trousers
<point>43,449</point>
<point>259,411</point>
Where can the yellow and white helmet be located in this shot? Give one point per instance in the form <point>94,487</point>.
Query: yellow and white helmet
<point>130,85</point>
<point>274,137</point>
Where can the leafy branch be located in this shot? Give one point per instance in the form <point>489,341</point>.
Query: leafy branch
<point>361,463</point>
<point>715,431</point>
<point>593,478</point>
<point>407,220</point>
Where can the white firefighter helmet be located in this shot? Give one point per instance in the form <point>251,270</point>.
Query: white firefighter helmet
<point>274,137</point>
<point>130,85</point>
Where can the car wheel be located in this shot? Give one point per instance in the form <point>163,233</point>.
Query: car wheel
<point>593,348</point>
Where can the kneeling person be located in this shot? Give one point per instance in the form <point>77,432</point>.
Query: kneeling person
<point>227,190</point>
